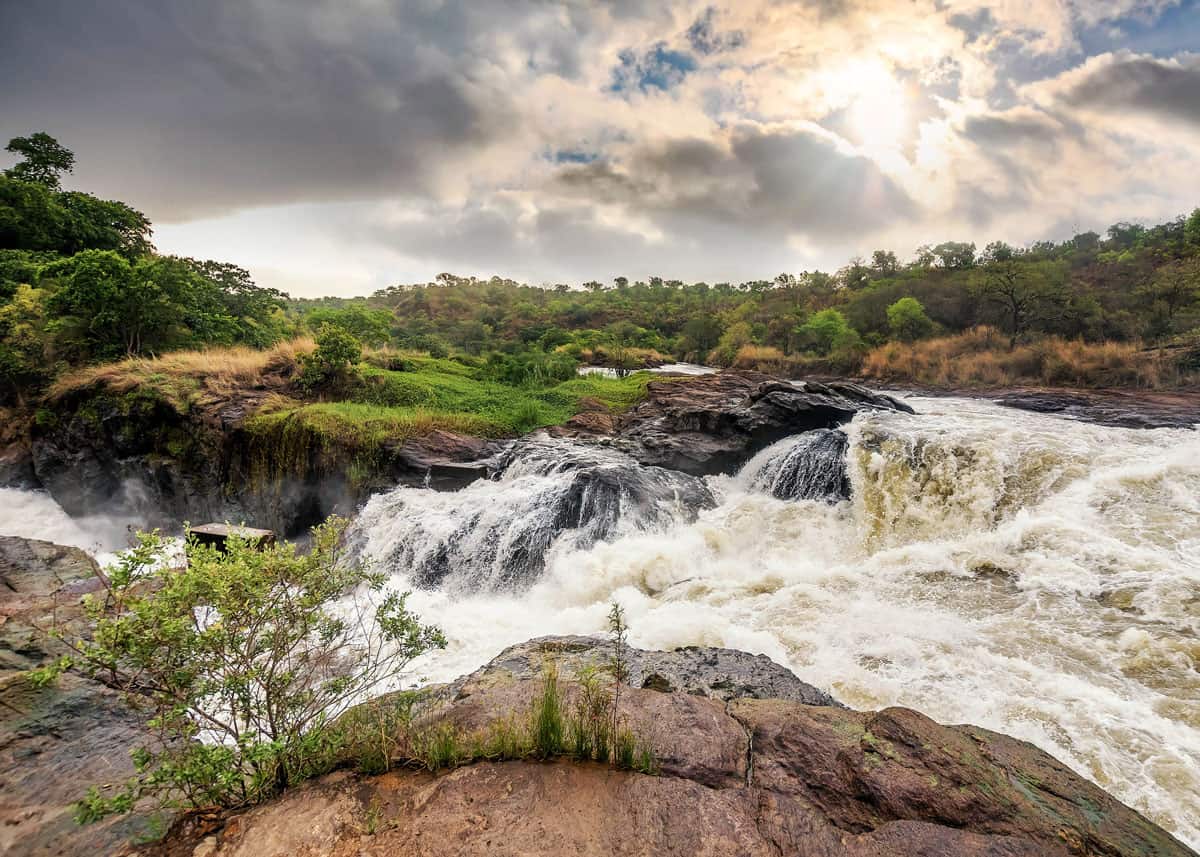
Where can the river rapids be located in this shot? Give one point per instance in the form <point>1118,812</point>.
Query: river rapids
<point>1029,574</point>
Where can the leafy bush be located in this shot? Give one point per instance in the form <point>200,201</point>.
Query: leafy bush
<point>826,331</point>
<point>908,321</point>
<point>337,350</point>
<point>244,659</point>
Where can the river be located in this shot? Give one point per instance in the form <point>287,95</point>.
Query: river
<point>1026,573</point>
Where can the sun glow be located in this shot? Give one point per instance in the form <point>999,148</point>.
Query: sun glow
<point>876,106</point>
<point>879,118</point>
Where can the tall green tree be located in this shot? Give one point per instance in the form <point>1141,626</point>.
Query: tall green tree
<point>43,159</point>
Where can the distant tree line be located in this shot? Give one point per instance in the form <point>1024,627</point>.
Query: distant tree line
<point>1135,283</point>
<point>80,282</point>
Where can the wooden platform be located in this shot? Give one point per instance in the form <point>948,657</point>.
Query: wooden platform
<point>217,534</point>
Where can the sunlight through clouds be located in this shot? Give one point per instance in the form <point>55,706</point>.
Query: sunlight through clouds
<point>697,139</point>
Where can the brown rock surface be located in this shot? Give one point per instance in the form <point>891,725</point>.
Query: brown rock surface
<point>56,741</point>
<point>739,776</point>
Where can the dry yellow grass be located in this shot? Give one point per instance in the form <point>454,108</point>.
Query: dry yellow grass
<point>217,371</point>
<point>981,358</point>
<point>603,355</point>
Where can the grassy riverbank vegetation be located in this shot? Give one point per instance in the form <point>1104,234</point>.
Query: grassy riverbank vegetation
<point>81,286</point>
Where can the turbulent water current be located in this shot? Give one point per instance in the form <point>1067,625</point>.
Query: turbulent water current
<point>1022,572</point>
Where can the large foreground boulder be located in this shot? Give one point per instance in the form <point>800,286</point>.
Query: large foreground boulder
<point>57,741</point>
<point>715,423</point>
<point>753,762</point>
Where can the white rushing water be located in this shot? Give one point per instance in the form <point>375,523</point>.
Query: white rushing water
<point>1029,574</point>
<point>1022,572</point>
<point>35,515</point>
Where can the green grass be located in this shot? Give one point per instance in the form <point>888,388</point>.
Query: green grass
<point>619,394</point>
<point>381,734</point>
<point>387,405</point>
<point>382,406</point>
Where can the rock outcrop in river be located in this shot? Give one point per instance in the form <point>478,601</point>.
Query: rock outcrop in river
<point>715,423</point>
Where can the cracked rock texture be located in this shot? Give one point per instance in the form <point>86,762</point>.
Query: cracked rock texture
<point>753,761</point>
<point>56,741</point>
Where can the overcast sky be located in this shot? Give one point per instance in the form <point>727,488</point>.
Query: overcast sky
<point>338,146</point>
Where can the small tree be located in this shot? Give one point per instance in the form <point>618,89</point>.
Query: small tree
<point>337,350</point>
<point>823,332</point>
<point>908,321</point>
<point>243,659</point>
<point>1025,293</point>
<point>43,159</point>
<point>618,631</point>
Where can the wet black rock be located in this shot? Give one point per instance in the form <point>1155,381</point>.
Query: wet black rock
<point>715,423</point>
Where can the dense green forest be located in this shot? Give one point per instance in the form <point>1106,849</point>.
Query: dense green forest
<point>81,283</point>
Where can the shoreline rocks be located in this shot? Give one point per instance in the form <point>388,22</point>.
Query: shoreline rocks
<point>58,740</point>
<point>741,772</point>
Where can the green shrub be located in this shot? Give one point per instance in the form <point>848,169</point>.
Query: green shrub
<point>242,663</point>
<point>337,350</point>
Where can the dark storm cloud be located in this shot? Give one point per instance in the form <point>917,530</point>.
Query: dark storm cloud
<point>194,108</point>
<point>780,179</point>
<point>1168,88</point>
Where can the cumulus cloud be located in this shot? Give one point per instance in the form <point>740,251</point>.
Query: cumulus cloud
<point>703,138</point>
<point>1122,82</point>
<point>784,178</point>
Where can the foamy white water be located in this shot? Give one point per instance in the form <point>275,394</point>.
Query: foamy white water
<point>1029,574</point>
<point>35,515</point>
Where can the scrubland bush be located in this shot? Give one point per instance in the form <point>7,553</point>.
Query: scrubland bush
<point>981,357</point>
<point>242,660</point>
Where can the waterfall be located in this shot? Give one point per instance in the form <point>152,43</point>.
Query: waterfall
<point>810,466</point>
<point>548,496</point>
<point>1030,574</point>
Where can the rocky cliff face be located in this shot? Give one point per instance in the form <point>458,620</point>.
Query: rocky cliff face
<point>142,455</point>
<point>753,761</point>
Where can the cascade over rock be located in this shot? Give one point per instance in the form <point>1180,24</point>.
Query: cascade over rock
<point>142,456</point>
<point>497,533</point>
<point>811,466</point>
